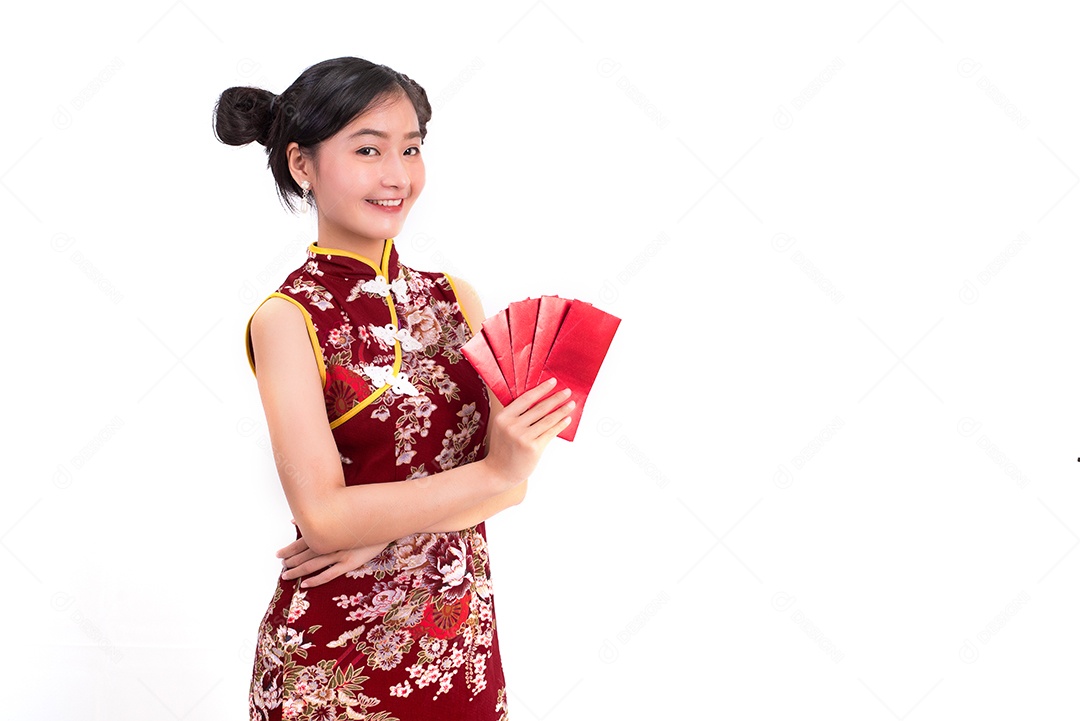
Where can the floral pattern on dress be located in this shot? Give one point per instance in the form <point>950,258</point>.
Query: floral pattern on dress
<point>432,597</point>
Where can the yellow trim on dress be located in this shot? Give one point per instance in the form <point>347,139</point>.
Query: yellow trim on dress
<point>358,407</point>
<point>315,345</point>
<point>355,256</point>
<point>457,299</point>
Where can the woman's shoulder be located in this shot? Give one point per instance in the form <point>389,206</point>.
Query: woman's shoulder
<point>276,308</point>
<point>275,327</point>
<point>468,300</point>
<point>462,287</point>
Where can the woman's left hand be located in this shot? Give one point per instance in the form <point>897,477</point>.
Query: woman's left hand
<point>299,560</point>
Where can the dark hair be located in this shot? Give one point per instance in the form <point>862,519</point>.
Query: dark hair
<point>319,103</point>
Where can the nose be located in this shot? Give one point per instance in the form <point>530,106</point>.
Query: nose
<point>395,174</point>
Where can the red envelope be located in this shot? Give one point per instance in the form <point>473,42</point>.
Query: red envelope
<point>496,330</point>
<point>569,340</point>
<point>522,326</point>
<point>577,353</point>
<point>549,317</point>
<point>477,352</point>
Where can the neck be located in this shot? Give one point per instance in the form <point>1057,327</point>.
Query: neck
<point>336,238</point>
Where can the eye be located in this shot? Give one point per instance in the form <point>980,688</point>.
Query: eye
<point>366,147</point>
<point>413,148</point>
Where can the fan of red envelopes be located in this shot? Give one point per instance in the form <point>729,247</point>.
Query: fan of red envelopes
<point>535,339</point>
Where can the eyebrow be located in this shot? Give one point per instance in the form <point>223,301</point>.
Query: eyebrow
<point>381,134</point>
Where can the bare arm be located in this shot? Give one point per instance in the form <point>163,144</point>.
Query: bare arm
<point>334,516</point>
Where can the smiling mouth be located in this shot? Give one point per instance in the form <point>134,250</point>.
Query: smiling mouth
<point>388,203</point>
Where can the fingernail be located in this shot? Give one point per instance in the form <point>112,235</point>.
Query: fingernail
<point>550,381</point>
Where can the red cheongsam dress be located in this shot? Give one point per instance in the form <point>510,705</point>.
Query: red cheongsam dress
<point>409,636</point>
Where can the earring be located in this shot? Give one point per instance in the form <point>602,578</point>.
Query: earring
<point>306,186</point>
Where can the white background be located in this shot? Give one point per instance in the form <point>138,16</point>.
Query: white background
<point>828,468</point>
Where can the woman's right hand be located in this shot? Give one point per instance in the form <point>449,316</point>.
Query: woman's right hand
<point>299,560</point>
<point>522,430</point>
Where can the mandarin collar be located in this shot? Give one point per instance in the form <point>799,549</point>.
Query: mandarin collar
<point>345,264</point>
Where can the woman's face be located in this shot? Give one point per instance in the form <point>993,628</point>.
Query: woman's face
<point>376,157</point>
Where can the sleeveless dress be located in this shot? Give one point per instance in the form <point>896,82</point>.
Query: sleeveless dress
<point>411,634</point>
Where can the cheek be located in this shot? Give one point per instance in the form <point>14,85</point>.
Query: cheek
<point>338,183</point>
<point>418,177</point>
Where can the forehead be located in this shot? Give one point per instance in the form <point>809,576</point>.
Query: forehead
<point>388,118</point>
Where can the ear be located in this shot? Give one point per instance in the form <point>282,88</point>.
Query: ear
<point>301,166</point>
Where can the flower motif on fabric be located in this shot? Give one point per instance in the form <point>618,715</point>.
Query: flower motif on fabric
<point>341,337</point>
<point>449,571</point>
<point>430,376</point>
<point>298,606</point>
<point>317,295</point>
<point>414,421</point>
<point>500,704</point>
<point>456,444</point>
<point>402,689</point>
<point>424,327</point>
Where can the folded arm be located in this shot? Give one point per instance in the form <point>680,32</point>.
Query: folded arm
<point>333,516</point>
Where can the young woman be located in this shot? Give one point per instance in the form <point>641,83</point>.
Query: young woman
<point>388,451</point>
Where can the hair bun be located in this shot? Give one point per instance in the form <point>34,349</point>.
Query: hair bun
<point>244,114</point>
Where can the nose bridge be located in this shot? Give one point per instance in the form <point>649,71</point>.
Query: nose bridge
<point>393,169</point>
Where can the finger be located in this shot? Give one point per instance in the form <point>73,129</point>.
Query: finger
<point>555,421</point>
<point>520,404</point>
<point>296,560</point>
<point>329,574</point>
<point>549,405</point>
<point>297,546</point>
<point>552,405</point>
<point>545,437</point>
<point>310,566</point>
